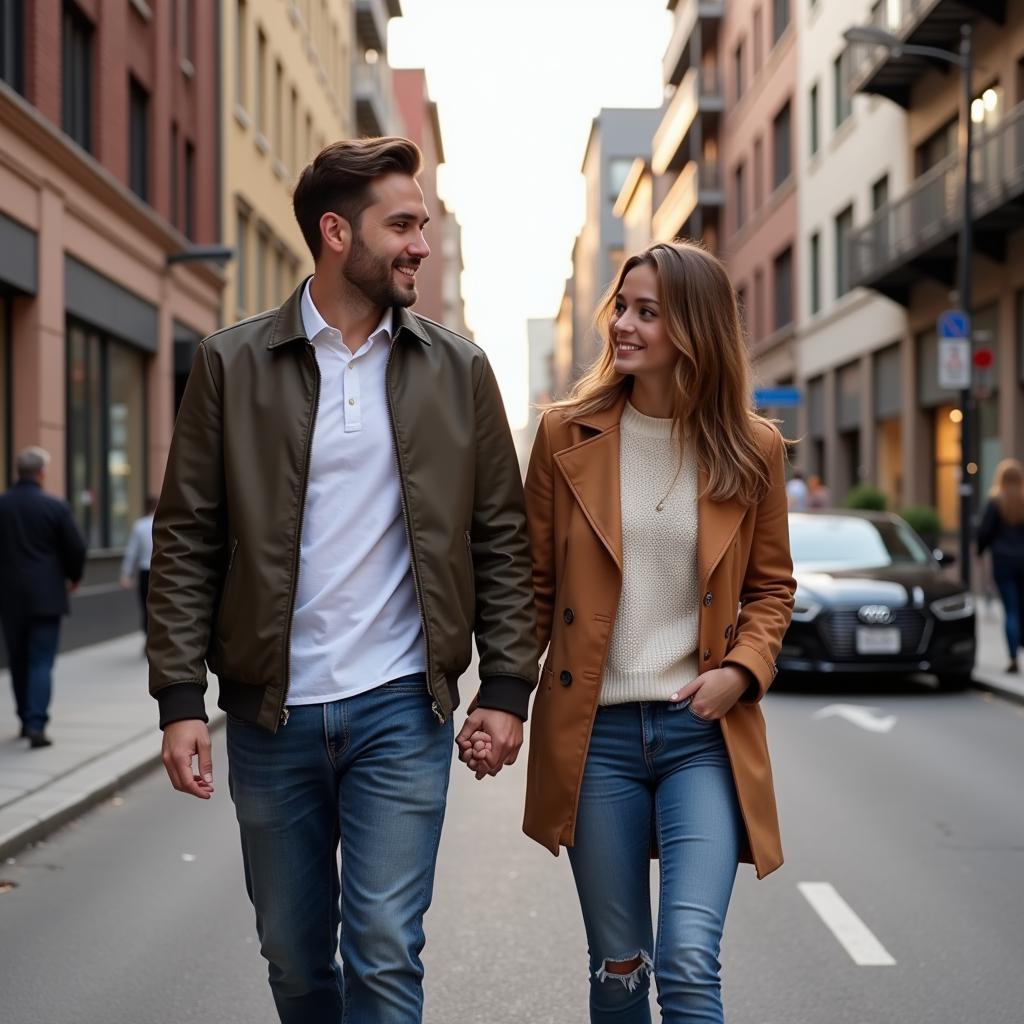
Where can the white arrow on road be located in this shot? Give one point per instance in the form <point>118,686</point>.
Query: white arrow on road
<point>860,715</point>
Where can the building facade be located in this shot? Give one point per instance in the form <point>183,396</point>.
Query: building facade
<point>108,176</point>
<point>848,339</point>
<point>906,249</point>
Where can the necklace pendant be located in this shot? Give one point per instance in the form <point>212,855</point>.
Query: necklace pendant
<point>659,507</point>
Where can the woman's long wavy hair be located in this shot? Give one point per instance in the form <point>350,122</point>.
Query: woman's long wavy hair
<point>1008,491</point>
<point>712,392</point>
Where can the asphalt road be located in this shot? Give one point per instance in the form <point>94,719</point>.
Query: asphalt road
<point>909,810</point>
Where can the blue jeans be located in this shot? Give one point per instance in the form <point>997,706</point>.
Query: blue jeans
<point>1010,582</point>
<point>655,773</point>
<point>372,771</point>
<point>31,650</point>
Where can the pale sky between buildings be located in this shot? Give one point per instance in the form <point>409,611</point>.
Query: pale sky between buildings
<point>517,83</point>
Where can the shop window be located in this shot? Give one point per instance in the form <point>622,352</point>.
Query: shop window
<point>106,435</point>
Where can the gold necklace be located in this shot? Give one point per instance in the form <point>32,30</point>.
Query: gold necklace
<point>660,507</point>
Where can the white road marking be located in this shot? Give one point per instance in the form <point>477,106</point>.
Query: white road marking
<point>860,715</point>
<point>853,934</point>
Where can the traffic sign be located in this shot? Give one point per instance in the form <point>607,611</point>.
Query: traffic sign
<point>983,358</point>
<point>954,323</point>
<point>954,330</point>
<point>777,398</point>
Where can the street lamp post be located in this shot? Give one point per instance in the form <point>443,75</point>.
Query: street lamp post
<point>870,35</point>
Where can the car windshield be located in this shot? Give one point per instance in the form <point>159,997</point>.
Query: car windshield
<point>826,543</point>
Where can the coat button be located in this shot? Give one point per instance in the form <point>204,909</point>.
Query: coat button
<point>565,678</point>
<point>707,600</point>
<point>707,653</point>
<point>567,616</point>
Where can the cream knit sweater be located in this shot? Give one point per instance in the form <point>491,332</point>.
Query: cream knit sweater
<point>653,650</point>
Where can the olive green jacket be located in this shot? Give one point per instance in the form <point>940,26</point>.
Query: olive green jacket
<point>227,532</point>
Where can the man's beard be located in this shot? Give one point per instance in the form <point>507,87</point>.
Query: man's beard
<point>371,274</point>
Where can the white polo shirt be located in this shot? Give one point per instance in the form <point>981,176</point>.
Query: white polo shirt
<point>356,623</point>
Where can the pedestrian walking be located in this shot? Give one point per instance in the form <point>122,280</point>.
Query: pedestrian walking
<point>1001,531</point>
<point>42,558</point>
<point>342,509</point>
<point>818,493</point>
<point>137,557</point>
<point>656,506</point>
<point>797,493</point>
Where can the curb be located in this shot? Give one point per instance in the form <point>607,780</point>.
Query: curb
<point>70,796</point>
<point>994,683</point>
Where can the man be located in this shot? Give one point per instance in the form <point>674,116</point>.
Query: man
<point>342,508</point>
<point>42,557</point>
<point>138,556</point>
<point>797,492</point>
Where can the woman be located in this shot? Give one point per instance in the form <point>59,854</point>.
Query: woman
<point>657,511</point>
<point>1002,531</point>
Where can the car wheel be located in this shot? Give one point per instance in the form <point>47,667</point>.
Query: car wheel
<point>954,683</point>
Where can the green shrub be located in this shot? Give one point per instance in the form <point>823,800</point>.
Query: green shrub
<point>925,520</point>
<point>866,496</point>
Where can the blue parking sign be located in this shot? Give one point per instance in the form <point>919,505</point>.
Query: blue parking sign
<point>954,323</point>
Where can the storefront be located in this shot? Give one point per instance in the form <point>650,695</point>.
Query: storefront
<point>848,413</point>
<point>887,371</point>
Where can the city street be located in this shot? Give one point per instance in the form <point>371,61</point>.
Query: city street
<point>906,802</point>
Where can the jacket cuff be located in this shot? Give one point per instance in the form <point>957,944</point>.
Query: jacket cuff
<point>180,701</point>
<point>754,662</point>
<point>505,693</point>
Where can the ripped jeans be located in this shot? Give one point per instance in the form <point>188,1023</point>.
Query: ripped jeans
<point>655,771</point>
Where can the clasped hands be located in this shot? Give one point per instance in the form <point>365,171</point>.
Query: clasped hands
<point>489,740</point>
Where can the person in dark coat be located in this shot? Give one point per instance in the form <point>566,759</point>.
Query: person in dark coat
<point>42,557</point>
<point>1002,530</point>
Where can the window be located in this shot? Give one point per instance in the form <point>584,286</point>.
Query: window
<point>138,139</point>
<point>278,110</point>
<point>12,43</point>
<point>812,111</point>
<point>840,89</point>
<point>783,270</point>
<point>241,52</point>
<point>880,192</point>
<point>76,76</point>
<point>936,147</point>
<point>293,120</point>
<point>106,436</point>
<point>5,390</point>
<point>844,225</point>
<point>309,137</point>
<point>190,190</point>
<point>618,171</point>
<point>758,173</point>
<point>758,304</point>
<point>259,98</point>
<point>815,288</point>
<point>757,38</point>
<point>262,243</point>
<point>740,191</point>
<point>737,59</point>
<point>242,264</point>
<point>781,142</point>
<point>780,18</point>
<point>188,23</point>
<point>175,182</point>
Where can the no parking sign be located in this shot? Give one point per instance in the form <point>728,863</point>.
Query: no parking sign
<point>954,330</point>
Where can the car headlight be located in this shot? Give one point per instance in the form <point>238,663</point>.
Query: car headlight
<point>805,610</point>
<point>958,606</point>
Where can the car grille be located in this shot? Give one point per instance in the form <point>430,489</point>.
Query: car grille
<point>839,631</point>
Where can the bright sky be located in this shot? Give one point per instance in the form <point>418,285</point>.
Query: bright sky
<point>517,83</point>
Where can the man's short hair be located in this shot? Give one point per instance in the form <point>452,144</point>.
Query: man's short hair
<point>340,179</point>
<point>30,462</point>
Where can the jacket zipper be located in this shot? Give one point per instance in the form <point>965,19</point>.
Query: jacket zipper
<point>282,716</point>
<point>435,706</point>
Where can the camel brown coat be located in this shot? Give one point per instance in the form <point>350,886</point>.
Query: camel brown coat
<point>746,587</point>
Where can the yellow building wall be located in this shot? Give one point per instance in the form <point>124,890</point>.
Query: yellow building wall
<point>286,89</point>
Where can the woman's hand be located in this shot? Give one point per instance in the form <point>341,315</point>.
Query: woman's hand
<point>715,692</point>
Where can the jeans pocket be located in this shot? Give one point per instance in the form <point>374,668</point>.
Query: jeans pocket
<point>698,718</point>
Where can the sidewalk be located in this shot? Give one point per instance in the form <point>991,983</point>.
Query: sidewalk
<point>105,735</point>
<point>105,731</point>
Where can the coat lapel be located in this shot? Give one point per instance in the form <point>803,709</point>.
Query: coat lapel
<point>591,469</point>
<point>717,523</point>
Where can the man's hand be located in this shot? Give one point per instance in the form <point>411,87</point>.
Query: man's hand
<point>183,741</point>
<point>489,740</point>
<point>715,692</point>
<point>126,582</point>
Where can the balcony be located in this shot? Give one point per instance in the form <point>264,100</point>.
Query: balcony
<point>915,237</point>
<point>699,185</point>
<point>372,22</point>
<point>700,92</point>
<point>373,98</point>
<point>876,69</point>
<point>690,14</point>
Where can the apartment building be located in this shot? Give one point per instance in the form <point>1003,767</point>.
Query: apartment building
<point>906,249</point>
<point>852,159</point>
<point>108,184</point>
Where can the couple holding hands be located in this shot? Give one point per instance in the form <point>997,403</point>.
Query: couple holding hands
<point>342,511</point>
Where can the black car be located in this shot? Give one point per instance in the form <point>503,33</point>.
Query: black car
<point>871,598</point>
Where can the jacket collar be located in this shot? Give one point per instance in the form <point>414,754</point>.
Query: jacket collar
<point>287,326</point>
<point>591,469</point>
